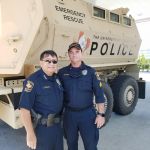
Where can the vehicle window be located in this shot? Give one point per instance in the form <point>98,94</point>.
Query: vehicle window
<point>114,17</point>
<point>98,12</point>
<point>127,21</point>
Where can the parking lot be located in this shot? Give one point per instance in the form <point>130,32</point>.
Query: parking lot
<point>130,132</point>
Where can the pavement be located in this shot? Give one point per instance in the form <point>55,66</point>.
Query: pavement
<point>131,132</point>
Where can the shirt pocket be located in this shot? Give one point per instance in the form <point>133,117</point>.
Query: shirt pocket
<point>85,84</point>
<point>67,84</point>
<point>45,91</point>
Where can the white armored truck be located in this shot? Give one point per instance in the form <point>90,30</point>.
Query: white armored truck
<point>109,39</point>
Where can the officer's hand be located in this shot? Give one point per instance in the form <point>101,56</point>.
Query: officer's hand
<point>99,121</point>
<point>31,140</point>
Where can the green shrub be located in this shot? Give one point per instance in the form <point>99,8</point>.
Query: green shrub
<point>143,63</point>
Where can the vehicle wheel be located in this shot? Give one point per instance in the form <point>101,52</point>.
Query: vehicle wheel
<point>125,92</point>
<point>108,101</point>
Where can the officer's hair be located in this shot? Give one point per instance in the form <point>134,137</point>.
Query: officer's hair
<point>46,53</point>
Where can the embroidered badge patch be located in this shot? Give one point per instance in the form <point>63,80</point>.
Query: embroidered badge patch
<point>84,72</point>
<point>97,76</point>
<point>100,84</point>
<point>29,86</point>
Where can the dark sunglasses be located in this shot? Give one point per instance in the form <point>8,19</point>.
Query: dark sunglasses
<point>50,61</point>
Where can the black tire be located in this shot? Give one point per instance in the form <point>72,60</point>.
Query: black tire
<point>125,92</point>
<point>108,101</point>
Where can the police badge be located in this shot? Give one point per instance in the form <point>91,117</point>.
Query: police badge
<point>84,72</point>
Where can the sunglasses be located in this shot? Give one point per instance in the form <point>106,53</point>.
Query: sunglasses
<point>50,61</point>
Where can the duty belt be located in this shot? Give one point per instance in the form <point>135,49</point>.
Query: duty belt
<point>78,109</point>
<point>50,120</point>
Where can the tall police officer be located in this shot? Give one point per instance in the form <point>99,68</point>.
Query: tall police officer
<point>80,83</point>
<point>42,97</point>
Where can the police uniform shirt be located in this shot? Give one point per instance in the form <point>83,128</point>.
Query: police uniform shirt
<point>42,93</point>
<point>79,86</point>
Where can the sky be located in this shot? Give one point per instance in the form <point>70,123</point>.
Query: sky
<point>145,35</point>
<point>139,9</point>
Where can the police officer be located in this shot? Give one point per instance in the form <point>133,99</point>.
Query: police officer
<point>42,97</point>
<point>80,83</point>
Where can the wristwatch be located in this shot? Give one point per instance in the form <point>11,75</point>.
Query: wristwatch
<point>101,114</point>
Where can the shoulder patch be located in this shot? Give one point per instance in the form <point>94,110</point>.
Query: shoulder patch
<point>29,86</point>
<point>100,84</point>
<point>97,76</point>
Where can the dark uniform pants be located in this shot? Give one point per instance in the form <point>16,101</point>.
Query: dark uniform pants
<point>49,138</point>
<point>82,121</point>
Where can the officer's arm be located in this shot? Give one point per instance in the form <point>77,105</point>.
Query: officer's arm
<point>100,119</point>
<point>100,108</point>
<point>26,103</point>
<point>97,89</point>
<point>26,120</point>
<point>99,98</point>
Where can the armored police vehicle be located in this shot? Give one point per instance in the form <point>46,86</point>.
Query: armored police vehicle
<point>109,39</point>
